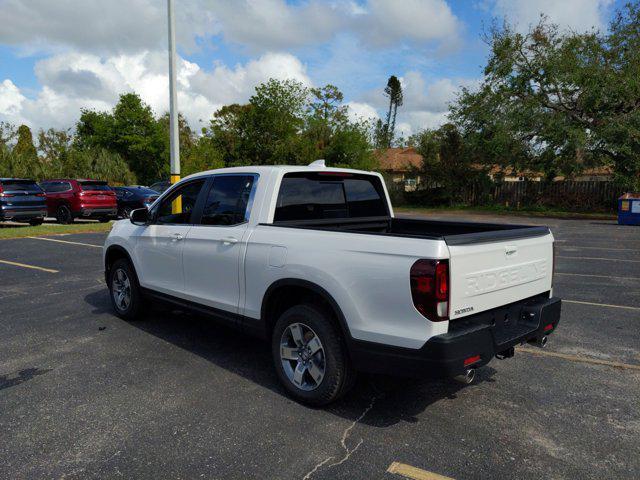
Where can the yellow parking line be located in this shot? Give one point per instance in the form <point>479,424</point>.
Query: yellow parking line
<point>600,258</point>
<point>67,241</point>
<point>579,358</point>
<point>23,265</point>
<point>626,307</point>
<point>414,473</point>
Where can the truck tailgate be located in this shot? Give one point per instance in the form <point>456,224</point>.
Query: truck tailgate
<point>488,275</point>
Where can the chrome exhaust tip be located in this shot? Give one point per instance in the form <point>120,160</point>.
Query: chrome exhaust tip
<point>468,376</point>
<point>543,342</point>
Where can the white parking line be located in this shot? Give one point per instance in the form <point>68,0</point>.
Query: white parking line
<point>600,258</point>
<point>626,307</point>
<point>66,241</point>
<point>596,276</point>
<point>578,247</point>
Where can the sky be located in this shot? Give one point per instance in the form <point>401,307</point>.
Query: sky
<point>58,57</point>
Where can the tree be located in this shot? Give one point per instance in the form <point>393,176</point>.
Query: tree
<point>385,132</point>
<point>132,132</point>
<point>446,164</point>
<point>559,101</point>
<point>24,146</point>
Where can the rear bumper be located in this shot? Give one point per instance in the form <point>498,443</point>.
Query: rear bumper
<point>89,212</point>
<point>22,213</point>
<point>480,336</point>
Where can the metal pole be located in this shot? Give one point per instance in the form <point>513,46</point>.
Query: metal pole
<point>173,100</point>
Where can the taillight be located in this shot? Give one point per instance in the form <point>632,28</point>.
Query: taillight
<point>430,288</point>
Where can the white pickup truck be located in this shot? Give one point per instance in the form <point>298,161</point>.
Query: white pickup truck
<point>314,260</point>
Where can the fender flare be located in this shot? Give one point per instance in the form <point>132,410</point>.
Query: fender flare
<point>317,289</point>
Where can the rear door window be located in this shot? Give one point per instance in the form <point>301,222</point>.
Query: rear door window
<point>330,195</point>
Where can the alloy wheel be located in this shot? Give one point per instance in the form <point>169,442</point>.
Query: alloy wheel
<point>121,290</point>
<point>302,356</point>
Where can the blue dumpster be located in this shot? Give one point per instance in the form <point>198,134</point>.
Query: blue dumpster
<point>629,209</point>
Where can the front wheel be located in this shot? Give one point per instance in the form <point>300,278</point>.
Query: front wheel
<point>309,355</point>
<point>124,290</point>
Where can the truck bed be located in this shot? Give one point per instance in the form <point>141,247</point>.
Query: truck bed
<point>453,233</point>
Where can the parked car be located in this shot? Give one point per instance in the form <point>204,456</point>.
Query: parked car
<point>131,198</point>
<point>22,200</point>
<point>160,186</point>
<point>314,260</point>
<point>68,199</point>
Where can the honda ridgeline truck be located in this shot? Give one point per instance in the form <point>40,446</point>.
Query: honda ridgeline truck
<point>314,260</point>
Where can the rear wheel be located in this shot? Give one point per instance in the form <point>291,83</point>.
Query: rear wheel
<point>309,355</point>
<point>64,215</point>
<point>34,222</point>
<point>124,290</point>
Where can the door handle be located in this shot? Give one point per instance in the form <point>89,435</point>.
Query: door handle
<point>229,240</point>
<point>177,237</point>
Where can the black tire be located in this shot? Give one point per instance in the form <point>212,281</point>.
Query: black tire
<point>125,212</point>
<point>34,222</point>
<point>133,308</point>
<point>338,374</point>
<point>64,215</point>
<point>103,219</point>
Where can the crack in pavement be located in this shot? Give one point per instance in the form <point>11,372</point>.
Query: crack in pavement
<point>343,442</point>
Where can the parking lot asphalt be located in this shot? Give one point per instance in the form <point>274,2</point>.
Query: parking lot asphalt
<point>84,394</point>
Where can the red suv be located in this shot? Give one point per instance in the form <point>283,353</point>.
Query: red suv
<point>68,199</point>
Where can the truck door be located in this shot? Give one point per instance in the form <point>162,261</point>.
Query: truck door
<point>215,245</point>
<point>159,246</point>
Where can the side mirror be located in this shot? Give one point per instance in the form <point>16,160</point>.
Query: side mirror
<point>139,216</point>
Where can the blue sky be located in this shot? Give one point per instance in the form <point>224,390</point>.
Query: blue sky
<point>58,57</point>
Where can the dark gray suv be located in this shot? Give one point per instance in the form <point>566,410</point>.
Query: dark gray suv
<point>22,200</point>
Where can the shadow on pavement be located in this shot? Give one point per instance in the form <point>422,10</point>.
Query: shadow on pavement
<point>396,399</point>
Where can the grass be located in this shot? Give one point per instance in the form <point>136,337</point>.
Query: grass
<point>503,210</point>
<point>25,230</point>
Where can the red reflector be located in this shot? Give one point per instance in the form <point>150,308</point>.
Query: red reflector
<point>470,360</point>
<point>548,327</point>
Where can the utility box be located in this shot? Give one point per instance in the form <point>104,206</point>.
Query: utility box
<point>629,209</point>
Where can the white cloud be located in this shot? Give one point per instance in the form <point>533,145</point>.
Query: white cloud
<point>111,26</point>
<point>388,22</point>
<point>358,111</point>
<point>578,15</point>
<point>11,99</point>
<point>128,26</point>
<point>72,81</point>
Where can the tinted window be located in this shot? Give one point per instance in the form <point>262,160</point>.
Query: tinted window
<point>20,185</point>
<point>93,186</point>
<point>56,187</point>
<point>227,200</point>
<point>177,207</point>
<point>314,196</point>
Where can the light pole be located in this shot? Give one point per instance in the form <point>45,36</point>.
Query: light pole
<point>173,100</point>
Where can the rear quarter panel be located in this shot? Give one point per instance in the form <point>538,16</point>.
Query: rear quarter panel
<point>367,275</point>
